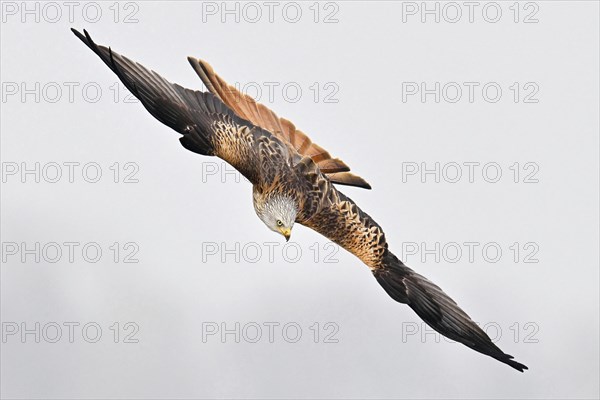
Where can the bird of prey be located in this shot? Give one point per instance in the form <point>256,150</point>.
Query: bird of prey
<point>293,181</point>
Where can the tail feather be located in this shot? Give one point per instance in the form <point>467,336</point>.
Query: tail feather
<point>260,115</point>
<point>437,309</point>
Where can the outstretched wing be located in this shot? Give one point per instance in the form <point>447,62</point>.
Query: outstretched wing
<point>246,107</point>
<point>208,126</point>
<point>436,308</point>
<point>343,222</point>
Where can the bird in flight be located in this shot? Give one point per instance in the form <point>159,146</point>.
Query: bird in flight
<point>292,182</point>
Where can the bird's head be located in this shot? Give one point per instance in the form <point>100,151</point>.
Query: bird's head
<point>278,212</point>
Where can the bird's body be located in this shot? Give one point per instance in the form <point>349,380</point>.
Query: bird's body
<point>286,176</point>
<point>293,182</point>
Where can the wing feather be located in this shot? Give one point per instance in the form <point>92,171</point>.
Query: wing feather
<point>208,125</point>
<point>436,308</point>
<point>343,222</point>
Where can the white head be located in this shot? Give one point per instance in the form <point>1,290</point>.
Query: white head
<point>277,211</point>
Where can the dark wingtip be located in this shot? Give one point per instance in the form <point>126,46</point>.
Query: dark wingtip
<point>516,365</point>
<point>78,34</point>
<point>436,308</point>
<point>505,358</point>
<point>86,38</point>
<point>89,38</point>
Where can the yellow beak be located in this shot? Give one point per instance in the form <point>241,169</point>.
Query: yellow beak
<point>287,233</point>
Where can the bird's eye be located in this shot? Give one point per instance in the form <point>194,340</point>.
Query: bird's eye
<point>279,223</point>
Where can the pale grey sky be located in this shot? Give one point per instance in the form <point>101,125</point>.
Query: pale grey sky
<point>518,251</point>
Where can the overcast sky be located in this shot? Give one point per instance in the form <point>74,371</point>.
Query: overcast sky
<point>143,272</point>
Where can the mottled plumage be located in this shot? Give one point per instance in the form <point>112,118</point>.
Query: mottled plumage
<point>292,180</point>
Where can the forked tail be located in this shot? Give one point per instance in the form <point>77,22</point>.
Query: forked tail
<point>436,308</point>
